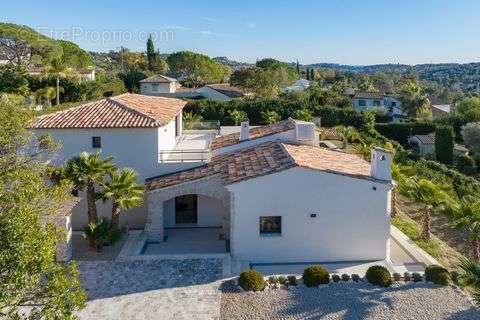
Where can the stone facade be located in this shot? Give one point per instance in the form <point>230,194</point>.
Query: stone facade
<point>211,187</point>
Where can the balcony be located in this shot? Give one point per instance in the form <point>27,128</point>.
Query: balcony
<point>193,146</point>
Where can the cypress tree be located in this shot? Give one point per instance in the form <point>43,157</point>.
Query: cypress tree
<point>312,74</point>
<point>444,144</point>
<point>151,55</point>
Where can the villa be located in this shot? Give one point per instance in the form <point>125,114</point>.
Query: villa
<point>267,194</point>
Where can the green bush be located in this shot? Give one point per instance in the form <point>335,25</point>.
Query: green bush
<point>336,278</point>
<point>272,280</point>
<point>437,275</point>
<point>98,233</point>
<point>407,276</point>
<point>251,280</point>
<point>465,164</point>
<point>379,275</point>
<point>292,280</point>
<point>355,277</point>
<point>282,280</point>
<point>401,132</point>
<point>417,277</point>
<point>345,277</point>
<point>455,277</point>
<point>444,143</point>
<point>397,276</point>
<point>314,276</point>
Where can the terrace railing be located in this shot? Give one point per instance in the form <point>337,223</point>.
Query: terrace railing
<point>181,156</point>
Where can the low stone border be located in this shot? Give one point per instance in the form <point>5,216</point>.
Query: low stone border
<point>412,248</point>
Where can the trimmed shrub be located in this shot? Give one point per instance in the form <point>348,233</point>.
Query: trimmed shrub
<point>397,276</point>
<point>282,280</point>
<point>251,280</point>
<point>98,233</point>
<point>345,277</point>
<point>444,144</point>
<point>335,278</point>
<point>379,275</point>
<point>355,277</point>
<point>437,275</point>
<point>314,276</point>
<point>465,164</point>
<point>407,276</point>
<point>417,277</point>
<point>292,280</point>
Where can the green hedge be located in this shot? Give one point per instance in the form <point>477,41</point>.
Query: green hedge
<point>402,131</point>
<point>330,116</point>
<point>444,144</point>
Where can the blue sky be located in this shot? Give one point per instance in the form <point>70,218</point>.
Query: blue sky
<point>346,32</point>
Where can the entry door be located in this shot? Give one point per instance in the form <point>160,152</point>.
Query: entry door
<point>186,209</point>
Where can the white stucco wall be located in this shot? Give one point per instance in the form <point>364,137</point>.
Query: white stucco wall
<point>148,88</point>
<point>211,94</point>
<point>209,212</point>
<point>352,223</point>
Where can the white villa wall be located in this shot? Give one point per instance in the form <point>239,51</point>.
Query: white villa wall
<point>352,223</point>
<point>211,94</point>
<point>209,210</point>
<point>148,88</point>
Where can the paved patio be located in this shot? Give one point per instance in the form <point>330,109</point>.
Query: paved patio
<point>153,289</point>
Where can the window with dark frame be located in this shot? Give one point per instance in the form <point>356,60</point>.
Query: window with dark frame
<point>271,225</point>
<point>362,103</point>
<point>96,142</point>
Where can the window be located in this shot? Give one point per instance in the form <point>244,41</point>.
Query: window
<point>362,103</point>
<point>394,104</point>
<point>155,87</point>
<point>270,225</point>
<point>376,103</point>
<point>96,142</point>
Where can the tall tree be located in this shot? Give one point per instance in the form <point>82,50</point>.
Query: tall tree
<point>124,192</point>
<point>86,171</point>
<point>151,55</point>
<point>465,215</point>
<point>59,69</point>
<point>444,144</point>
<point>30,279</point>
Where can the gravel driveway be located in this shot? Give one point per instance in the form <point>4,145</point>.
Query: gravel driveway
<point>349,301</point>
<point>151,289</point>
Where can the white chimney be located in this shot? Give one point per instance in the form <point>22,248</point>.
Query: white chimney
<point>381,164</point>
<point>244,130</point>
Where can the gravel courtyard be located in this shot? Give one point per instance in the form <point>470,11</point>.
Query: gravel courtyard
<point>151,289</point>
<point>349,301</point>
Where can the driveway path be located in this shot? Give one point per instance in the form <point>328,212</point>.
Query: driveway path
<point>151,289</point>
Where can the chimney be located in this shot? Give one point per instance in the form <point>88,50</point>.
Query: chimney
<point>244,130</point>
<point>381,164</point>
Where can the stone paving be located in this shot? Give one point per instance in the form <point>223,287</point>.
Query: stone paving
<point>151,289</point>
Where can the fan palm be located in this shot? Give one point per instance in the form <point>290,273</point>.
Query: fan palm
<point>428,193</point>
<point>190,119</point>
<point>470,276</point>
<point>347,134</point>
<point>85,171</point>
<point>47,93</point>
<point>124,192</point>
<point>465,215</point>
<point>59,69</point>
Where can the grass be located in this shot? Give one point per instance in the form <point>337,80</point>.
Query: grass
<point>437,248</point>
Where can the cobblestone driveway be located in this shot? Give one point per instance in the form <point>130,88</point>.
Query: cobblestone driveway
<point>152,289</point>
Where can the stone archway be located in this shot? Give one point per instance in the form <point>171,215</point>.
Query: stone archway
<point>210,187</point>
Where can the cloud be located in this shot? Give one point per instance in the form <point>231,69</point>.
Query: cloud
<point>176,28</point>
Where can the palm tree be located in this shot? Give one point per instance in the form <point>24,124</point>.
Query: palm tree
<point>428,193</point>
<point>364,149</point>
<point>124,192</point>
<point>59,69</point>
<point>465,215</point>
<point>190,119</point>
<point>414,101</point>
<point>347,134</point>
<point>470,276</point>
<point>85,171</point>
<point>47,93</point>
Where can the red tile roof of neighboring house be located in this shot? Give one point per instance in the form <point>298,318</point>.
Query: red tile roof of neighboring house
<point>264,159</point>
<point>255,133</point>
<point>123,111</point>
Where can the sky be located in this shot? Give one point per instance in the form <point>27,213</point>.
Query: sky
<point>358,32</point>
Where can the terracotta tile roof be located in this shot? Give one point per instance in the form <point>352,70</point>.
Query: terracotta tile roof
<point>426,138</point>
<point>264,159</point>
<point>158,79</point>
<point>123,111</point>
<point>229,91</point>
<point>255,133</point>
<point>331,133</point>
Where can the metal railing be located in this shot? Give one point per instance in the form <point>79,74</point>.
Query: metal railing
<point>201,125</point>
<point>180,156</point>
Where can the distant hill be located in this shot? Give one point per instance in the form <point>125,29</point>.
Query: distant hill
<point>235,65</point>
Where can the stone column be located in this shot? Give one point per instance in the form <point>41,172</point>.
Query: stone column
<point>154,226</point>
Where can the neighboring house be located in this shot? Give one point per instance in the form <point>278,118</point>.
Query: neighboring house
<point>379,101</point>
<point>141,132</point>
<point>160,85</point>
<point>220,92</point>
<point>424,145</point>
<point>441,110</point>
<point>87,74</point>
<point>271,192</point>
<point>299,85</point>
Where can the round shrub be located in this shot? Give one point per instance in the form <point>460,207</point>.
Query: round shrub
<point>407,276</point>
<point>397,276</point>
<point>355,277</point>
<point>417,277</point>
<point>251,280</point>
<point>272,280</point>
<point>379,275</point>
<point>292,280</point>
<point>437,275</point>
<point>282,280</point>
<point>315,275</point>
<point>345,277</point>
<point>335,278</point>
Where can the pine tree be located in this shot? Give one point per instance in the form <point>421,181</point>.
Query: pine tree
<point>151,55</point>
<point>312,74</point>
<point>307,74</point>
